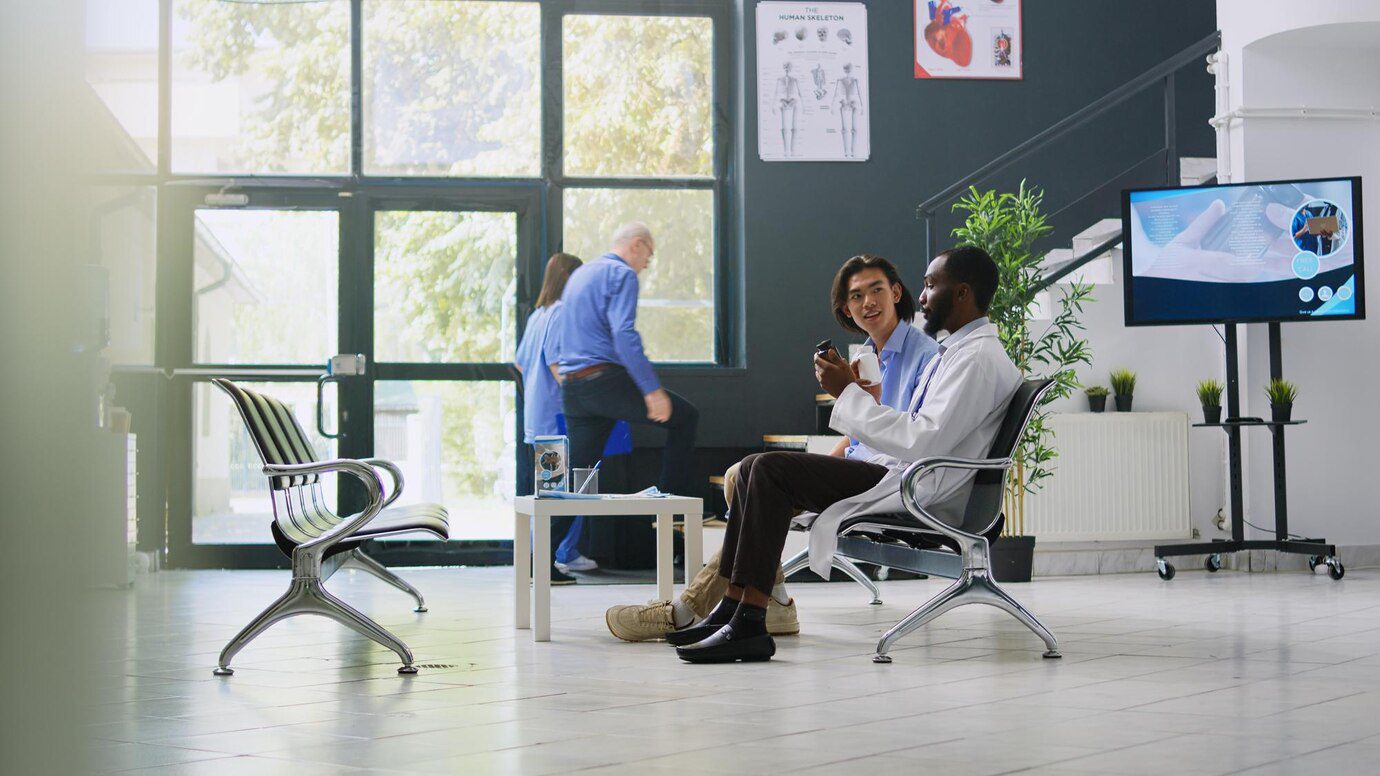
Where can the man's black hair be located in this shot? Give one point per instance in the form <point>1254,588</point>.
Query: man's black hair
<point>974,266</point>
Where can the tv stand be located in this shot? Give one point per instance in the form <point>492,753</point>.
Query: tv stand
<point>1319,552</point>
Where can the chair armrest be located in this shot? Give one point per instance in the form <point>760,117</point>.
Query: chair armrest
<point>361,471</point>
<point>394,472</point>
<point>910,481</point>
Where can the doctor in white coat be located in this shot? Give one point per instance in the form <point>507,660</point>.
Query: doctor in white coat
<point>956,410</point>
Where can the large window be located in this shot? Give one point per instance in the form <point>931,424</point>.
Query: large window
<point>388,178</point>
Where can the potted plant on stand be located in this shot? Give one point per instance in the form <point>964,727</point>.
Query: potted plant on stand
<point>1097,398</point>
<point>1210,396</point>
<point>1282,394</point>
<point>1007,226</point>
<point>1124,383</point>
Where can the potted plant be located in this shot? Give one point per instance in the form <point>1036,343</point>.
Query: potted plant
<point>1097,398</point>
<point>1007,226</point>
<point>1282,394</point>
<point>1210,396</point>
<point>1124,383</point>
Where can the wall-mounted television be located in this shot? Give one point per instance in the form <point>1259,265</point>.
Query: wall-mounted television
<point>1243,253</point>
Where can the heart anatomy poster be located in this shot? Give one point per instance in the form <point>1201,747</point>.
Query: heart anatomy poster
<point>968,39</point>
<point>812,74</point>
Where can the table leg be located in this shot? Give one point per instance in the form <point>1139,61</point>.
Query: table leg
<point>694,546</point>
<point>541,577</point>
<point>522,571</point>
<point>665,561</point>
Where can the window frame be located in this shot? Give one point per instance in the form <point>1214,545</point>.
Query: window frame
<point>173,356</point>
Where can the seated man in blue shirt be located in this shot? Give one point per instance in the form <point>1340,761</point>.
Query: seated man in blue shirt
<point>869,298</point>
<point>605,375</point>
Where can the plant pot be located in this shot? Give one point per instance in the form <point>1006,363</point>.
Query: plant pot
<point>1281,413</point>
<point>1123,403</point>
<point>1097,403</point>
<point>1212,414</point>
<point>1012,558</point>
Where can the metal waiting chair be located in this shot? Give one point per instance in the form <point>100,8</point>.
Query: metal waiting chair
<point>922,543</point>
<point>318,541</point>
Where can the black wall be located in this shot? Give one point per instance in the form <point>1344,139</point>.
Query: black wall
<point>799,221</point>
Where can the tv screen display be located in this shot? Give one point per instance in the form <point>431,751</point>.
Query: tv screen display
<point>1243,252</point>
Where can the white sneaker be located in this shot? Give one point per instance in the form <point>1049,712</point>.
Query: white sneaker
<point>580,563</point>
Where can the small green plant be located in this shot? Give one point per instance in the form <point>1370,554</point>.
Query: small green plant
<point>1095,390</point>
<point>1281,392</point>
<point>1210,393</point>
<point>1123,382</point>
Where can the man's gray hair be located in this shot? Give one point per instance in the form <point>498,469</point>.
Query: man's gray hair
<point>630,232</point>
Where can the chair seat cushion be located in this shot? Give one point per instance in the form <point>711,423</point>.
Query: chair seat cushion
<point>426,518</point>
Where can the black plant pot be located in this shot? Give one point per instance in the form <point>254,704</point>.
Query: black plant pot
<point>1097,403</point>
<point>1281,413</point>
<point>1212,414</point>
<point>1012,558</point>
<point>1123,403</point>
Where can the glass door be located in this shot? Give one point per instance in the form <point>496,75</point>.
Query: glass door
<point>252,283</point>
<point>450,280</point>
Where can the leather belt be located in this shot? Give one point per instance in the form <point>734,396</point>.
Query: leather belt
<point>588,371</point>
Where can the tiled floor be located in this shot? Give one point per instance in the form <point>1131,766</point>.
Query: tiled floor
<point>1264,673</point>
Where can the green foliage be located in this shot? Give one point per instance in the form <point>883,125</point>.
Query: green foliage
<point>1281,391</point>
<point>1210,393</point>
<point>1007,226</point>
<point>1095,390</point>
<point>1123,382</point>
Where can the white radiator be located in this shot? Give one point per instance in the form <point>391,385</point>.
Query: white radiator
<point>1117,476</point>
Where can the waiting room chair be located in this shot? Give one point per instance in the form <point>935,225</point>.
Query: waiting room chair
<point>922,543</point>
<point>318,541</point>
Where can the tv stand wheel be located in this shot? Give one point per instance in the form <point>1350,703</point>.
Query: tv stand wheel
<point>1335,569</point>
<point>1313,561</point>
<point>1165,569</point>
<point>1213,563</point>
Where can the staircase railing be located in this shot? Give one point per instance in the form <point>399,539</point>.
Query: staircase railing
<point>1161,76</point>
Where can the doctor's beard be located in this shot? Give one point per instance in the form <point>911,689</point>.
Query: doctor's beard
<point>937,312</point>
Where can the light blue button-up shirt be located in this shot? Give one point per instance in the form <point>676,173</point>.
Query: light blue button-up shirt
<point>541,394</point>
<point>906,353</point>
<point>598,323</point>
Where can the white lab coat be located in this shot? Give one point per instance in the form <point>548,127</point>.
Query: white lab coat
<point>970,384</point>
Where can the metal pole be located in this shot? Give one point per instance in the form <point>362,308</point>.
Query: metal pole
<point>1171,141</point>
<point>1238,530</point>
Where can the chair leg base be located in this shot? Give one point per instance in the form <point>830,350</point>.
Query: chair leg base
<point>420,610</point>
<point>1053,655</point>
<point>381,572</point>
<point>875,602</point>
<point>881,659</point>
<point>307,596</point>
<point>975,586</point>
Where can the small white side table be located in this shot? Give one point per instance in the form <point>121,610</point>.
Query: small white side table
<point>533,519</point>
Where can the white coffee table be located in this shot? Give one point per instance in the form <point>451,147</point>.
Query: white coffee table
<point>533,519</point>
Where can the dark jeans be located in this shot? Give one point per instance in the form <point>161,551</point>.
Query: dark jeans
<point>772,488</point>
<point>593,404</point>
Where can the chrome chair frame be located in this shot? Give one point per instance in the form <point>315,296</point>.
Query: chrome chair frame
<point>315,534</point>
<point>959,553</point>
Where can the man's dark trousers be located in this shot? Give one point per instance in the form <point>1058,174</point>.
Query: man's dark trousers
<point>592,406</point>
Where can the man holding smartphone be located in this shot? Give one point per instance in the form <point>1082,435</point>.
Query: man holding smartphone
<point>868,297</point>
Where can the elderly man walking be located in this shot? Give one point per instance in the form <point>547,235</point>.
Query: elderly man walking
<point>605,376</point>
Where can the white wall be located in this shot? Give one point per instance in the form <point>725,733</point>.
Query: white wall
<point>1328,57</point>
<point>1168,362</point>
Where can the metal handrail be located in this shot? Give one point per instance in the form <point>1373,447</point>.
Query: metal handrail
<point>1163,72</point>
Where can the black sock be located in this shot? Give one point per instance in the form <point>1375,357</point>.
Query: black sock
<point>749,621</point>
<point>722,613</point>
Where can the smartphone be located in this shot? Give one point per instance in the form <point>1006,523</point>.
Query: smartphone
<point>824,347</point>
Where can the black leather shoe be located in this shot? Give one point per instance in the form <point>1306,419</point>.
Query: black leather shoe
<point>723,647</point>
<point>691,635</point>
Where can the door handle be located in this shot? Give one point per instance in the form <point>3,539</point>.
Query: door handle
<point>342,365</point>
